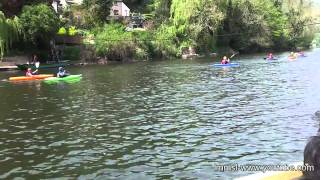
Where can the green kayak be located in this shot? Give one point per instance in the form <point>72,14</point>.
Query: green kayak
<point>70,78</point>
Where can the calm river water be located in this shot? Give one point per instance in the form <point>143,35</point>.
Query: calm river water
<point>169,119</point>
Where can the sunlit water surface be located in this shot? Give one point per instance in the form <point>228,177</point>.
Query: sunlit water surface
<point>169,119</point>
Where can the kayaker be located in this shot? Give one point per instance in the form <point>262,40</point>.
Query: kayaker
<point>62,73</point>
<point>29,72</point>
<point>270,56</point>
<point>225,60</point>
<point>292,55</point>
<point>301,53</point>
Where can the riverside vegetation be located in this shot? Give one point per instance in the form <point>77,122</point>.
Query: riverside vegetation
<point>173,25</point>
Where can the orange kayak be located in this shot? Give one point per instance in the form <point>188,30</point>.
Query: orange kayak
<point>30,78</point>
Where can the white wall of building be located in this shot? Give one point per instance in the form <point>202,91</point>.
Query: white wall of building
<point>66,3</point>
<point>79,2</point>
<point>120,8</point>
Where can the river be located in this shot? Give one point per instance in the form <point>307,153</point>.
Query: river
<point>164,119</point>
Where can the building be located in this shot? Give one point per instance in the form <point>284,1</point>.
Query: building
<point>64,3</point>
<point>77,2</point>
<point>119,9</point>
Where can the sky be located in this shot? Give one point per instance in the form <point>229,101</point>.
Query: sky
<point>317,2</point>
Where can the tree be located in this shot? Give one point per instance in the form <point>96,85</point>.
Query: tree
<point>39,22</point>
<point>13,7</point>
<point>10,30</point>
<point>297,21</point>
<point>204,24</point>
<point>161,10</point>
<point>97,10</point>
<point>10,7</point>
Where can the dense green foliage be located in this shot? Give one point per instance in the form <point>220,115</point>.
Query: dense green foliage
<point>39,23</point>
<point>176,25</point>
<point>241,24</point>
<point>10,30</point>
<point>71,31</point>
<point>96,11</point>
<point>316,41</point>
<point>113,42</point>
<point>71,53</point>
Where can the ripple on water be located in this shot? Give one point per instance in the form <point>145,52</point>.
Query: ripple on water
<point>158,121</point>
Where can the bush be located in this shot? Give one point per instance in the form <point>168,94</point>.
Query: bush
<point>10,31</point>
<point>71,53</point>
<point>143,40</point>
<point>316,40</point>
<point>165,41</point>
<point>72,31</point>
<point>114,42</point>
<point>39,22</point>
<point>62,31</point>
<point>140,54</point>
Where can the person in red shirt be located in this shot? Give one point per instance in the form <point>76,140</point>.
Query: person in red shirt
<point>225,60</point>
<point>29,72</point>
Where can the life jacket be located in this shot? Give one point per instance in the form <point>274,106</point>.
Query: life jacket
<point>29,73</point>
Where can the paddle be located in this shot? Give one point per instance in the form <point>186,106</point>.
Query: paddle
<point>232,56</point>
<point>267,58</point>
<point>37,64</point>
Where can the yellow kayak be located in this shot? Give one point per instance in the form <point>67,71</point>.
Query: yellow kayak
<point>274,175</point>
<point>292,58</point>
<point>286,175</point>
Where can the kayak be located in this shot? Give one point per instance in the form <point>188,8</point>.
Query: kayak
<point>292,58</point>
<point>30,78</point>
<point>70,78</point>
<point>281,175</point>
<point>227,65</point>
<point>275,175</point>
<point>270,59</point>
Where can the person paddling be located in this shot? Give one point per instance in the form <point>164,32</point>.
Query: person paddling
<point>301,53</point>
<point>29,72</point>
<point>292,55</point>
<point>62,73</point>
<point>225,60</point>
<point>270,56</point>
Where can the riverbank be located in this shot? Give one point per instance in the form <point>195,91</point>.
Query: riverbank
<point>88,58</point>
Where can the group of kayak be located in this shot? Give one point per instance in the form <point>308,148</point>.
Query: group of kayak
<point>292,56</point>
<point>61,72</point>
<point>62,75</point>
<point>225,62</point>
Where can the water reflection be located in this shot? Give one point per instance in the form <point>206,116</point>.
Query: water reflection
<point>158,120</point>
